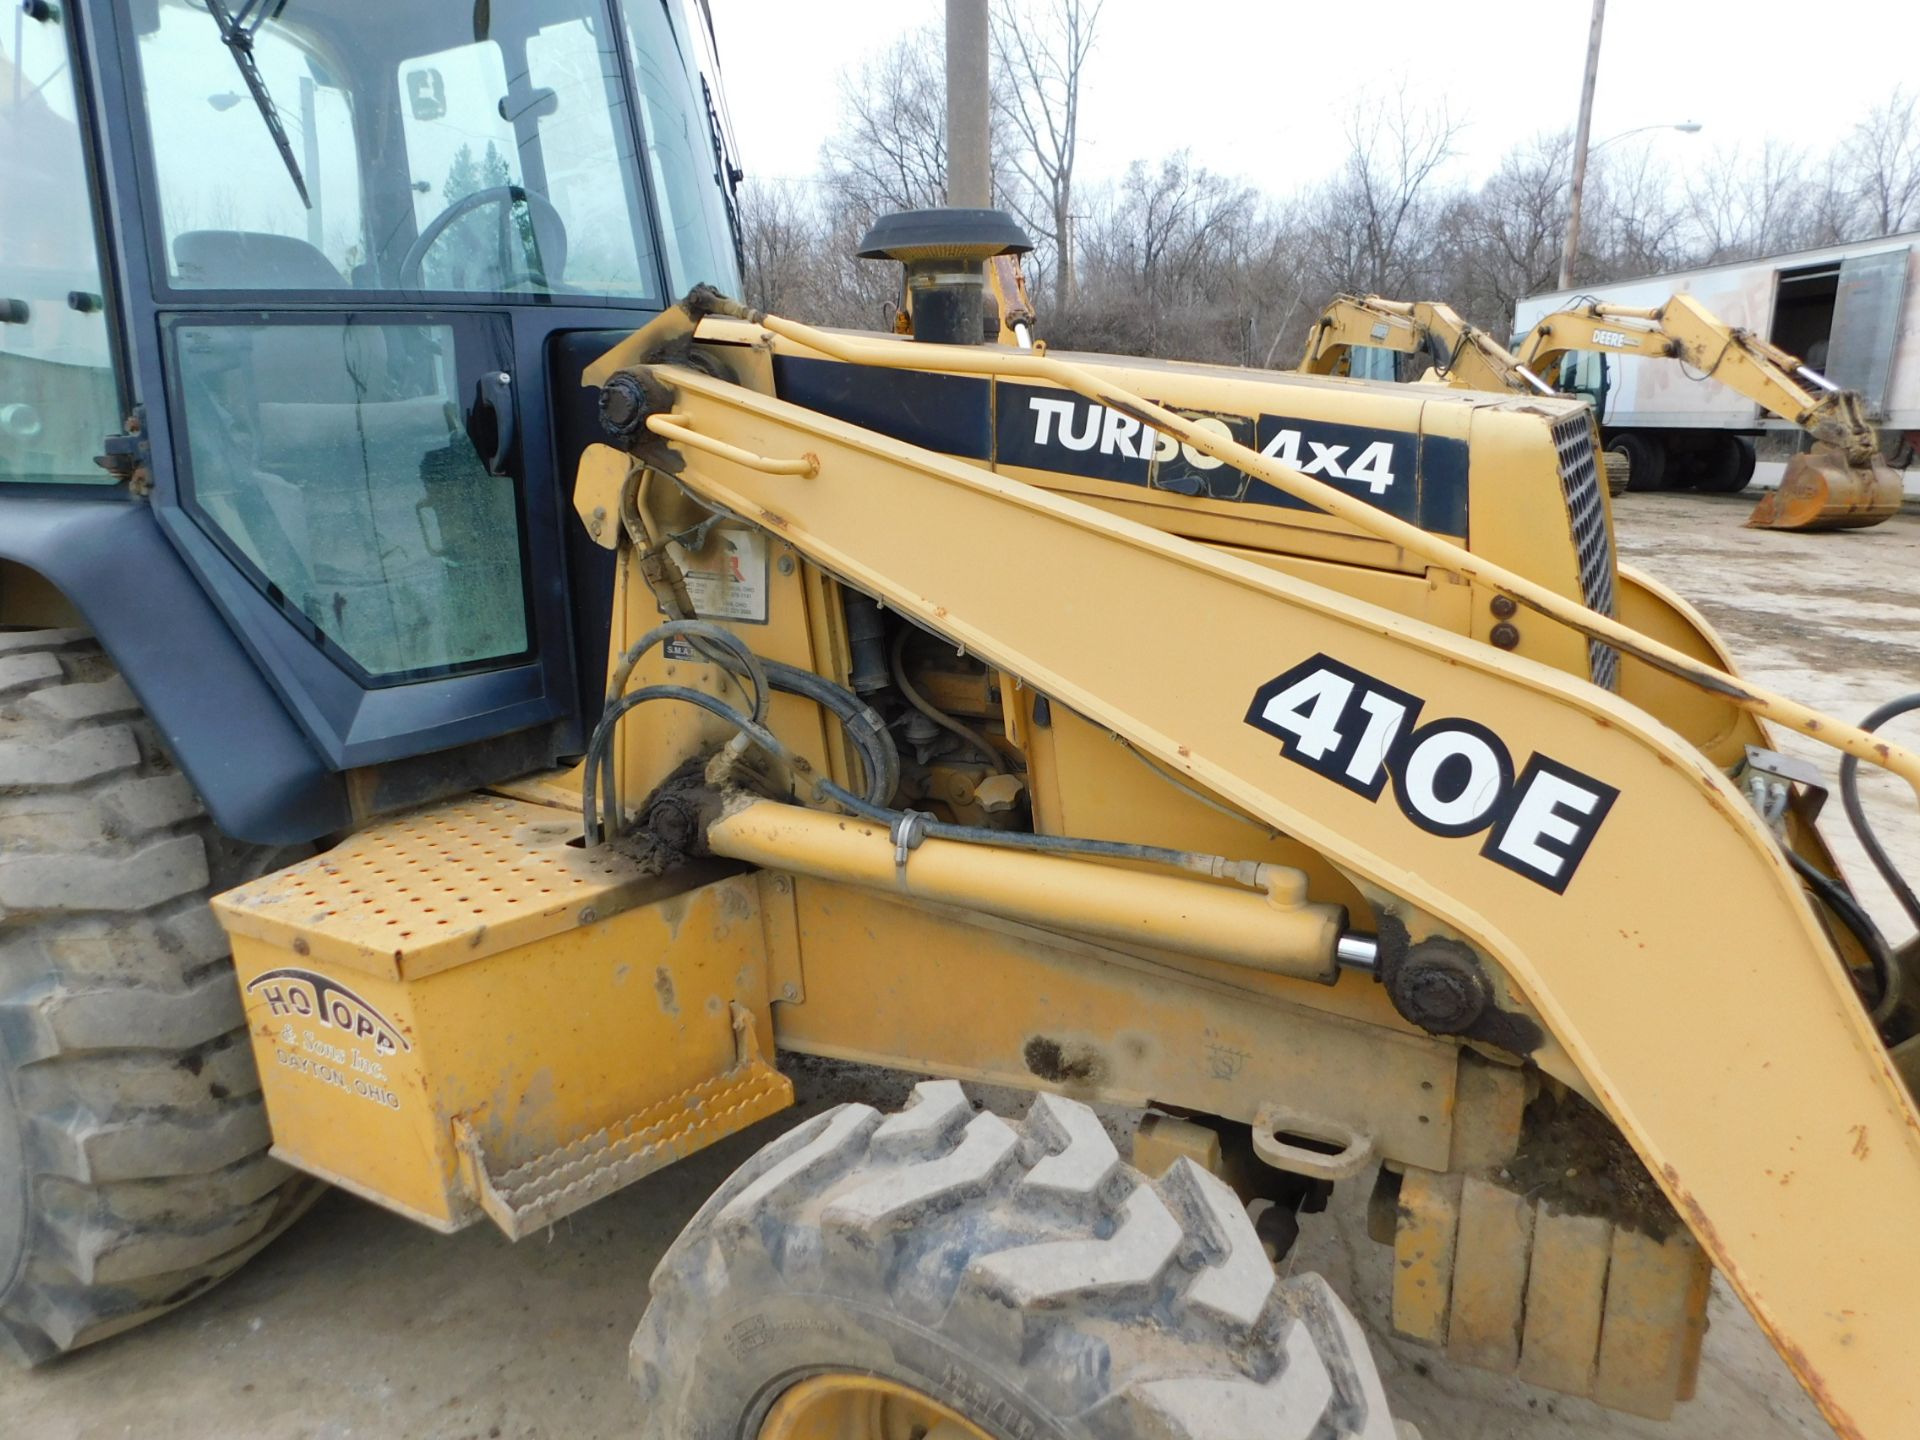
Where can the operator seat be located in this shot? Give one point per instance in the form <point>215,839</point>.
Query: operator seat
<point>251,260</point>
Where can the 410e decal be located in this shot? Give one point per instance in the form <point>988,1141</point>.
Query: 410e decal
<point>1450,776</point>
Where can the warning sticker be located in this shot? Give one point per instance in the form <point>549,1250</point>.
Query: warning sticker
<point>728,579</point>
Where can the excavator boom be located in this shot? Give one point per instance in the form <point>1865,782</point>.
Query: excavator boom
<point>1458,354</point>
<point>1840,483</point>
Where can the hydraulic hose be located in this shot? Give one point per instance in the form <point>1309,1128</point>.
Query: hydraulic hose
<point>1857,814</point>
<point>973,739</point>
<point>1851,914</point>
<point>871,740</point>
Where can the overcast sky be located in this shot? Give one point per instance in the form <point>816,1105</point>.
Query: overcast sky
<point>1259,88</point>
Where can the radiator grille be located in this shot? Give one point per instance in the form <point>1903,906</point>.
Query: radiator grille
<point>1587,514</point>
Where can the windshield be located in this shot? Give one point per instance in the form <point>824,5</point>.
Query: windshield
<point>442,146</point>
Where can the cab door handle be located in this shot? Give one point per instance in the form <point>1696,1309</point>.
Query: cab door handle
<point>496,397</point>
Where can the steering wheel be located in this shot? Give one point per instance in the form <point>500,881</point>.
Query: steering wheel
<point>549,236</point>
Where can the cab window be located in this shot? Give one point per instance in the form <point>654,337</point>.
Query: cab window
<point>424,149</point>
<point>58,396</point>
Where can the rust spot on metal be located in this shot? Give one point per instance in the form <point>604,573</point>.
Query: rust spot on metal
<point>663,987</point>
<point>1860,1146</point>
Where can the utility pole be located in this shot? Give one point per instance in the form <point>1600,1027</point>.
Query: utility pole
<point>1572,249</point>
<point>969,170</point>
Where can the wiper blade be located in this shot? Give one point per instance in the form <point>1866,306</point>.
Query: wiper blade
<point>237,29</point>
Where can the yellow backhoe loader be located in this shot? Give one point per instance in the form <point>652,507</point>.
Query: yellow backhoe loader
<point>1289,759</point>
<point>1841,482</point>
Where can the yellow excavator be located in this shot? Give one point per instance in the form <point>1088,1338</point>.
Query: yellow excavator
<point>1841,482</point>
<point>1457,353</point>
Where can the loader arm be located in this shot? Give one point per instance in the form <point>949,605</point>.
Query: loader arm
<point>1718,1029</point>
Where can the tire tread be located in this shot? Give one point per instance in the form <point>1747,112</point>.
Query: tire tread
<point>122,1048</point>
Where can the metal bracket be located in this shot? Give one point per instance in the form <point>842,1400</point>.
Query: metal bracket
<point>1768,778</point>
<point>1354,1154</point>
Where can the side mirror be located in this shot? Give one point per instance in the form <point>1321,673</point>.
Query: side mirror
<point>426,94</point>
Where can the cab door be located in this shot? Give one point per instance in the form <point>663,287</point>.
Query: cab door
<point>366,227</point>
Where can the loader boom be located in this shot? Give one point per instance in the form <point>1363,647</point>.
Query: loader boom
<point>1784,1137</point>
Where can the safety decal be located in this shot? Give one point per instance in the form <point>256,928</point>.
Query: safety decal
<point>1450,776</point>
<point>726,580</point>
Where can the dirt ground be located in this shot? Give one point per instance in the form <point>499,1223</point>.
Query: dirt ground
<point>358,1324</point>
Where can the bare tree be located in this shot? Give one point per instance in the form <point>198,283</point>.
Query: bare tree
<point>1745,204</point>
<point>1634,225</point>
<point>782,242</point>
<point>890,152</point>
<point>1884,152</point>
<point>1377,220</point>
<point>1172,259</point>
<point>1040,50</point>
<point>1504,242</point>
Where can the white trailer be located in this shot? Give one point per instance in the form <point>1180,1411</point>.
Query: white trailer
<point>1852,312</point>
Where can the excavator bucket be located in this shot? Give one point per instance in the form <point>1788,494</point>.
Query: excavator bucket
<point>1820,491</point>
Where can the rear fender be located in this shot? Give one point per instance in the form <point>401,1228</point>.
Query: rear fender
<point>107,562</point>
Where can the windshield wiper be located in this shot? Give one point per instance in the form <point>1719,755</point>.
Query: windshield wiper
<point>237,29</point>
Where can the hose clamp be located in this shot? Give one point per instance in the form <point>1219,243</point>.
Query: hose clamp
<point>907,833</point>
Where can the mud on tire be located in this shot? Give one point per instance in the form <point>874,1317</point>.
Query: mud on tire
<point>1024,1277</point>
<point>133,1164</point>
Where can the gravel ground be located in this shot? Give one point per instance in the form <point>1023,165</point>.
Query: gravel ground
<point>359,1324</point>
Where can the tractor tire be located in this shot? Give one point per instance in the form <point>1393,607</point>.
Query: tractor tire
<point>133,1140</point>
<point>1646,461</point>
<point>1726,465</point>
<point>1026,1280</point>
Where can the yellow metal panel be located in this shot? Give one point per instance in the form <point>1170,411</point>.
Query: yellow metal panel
<point>1490,1284</point>
<point>437,887</point>
<point>1423,1254</point>
<point>1486,1113</point>
<point>923,988</point>
<point>561,999</point>
<point>1721,730</point>
<point>1566,1287</point>
<point>597,489</point>
<point>1655,1320</point>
